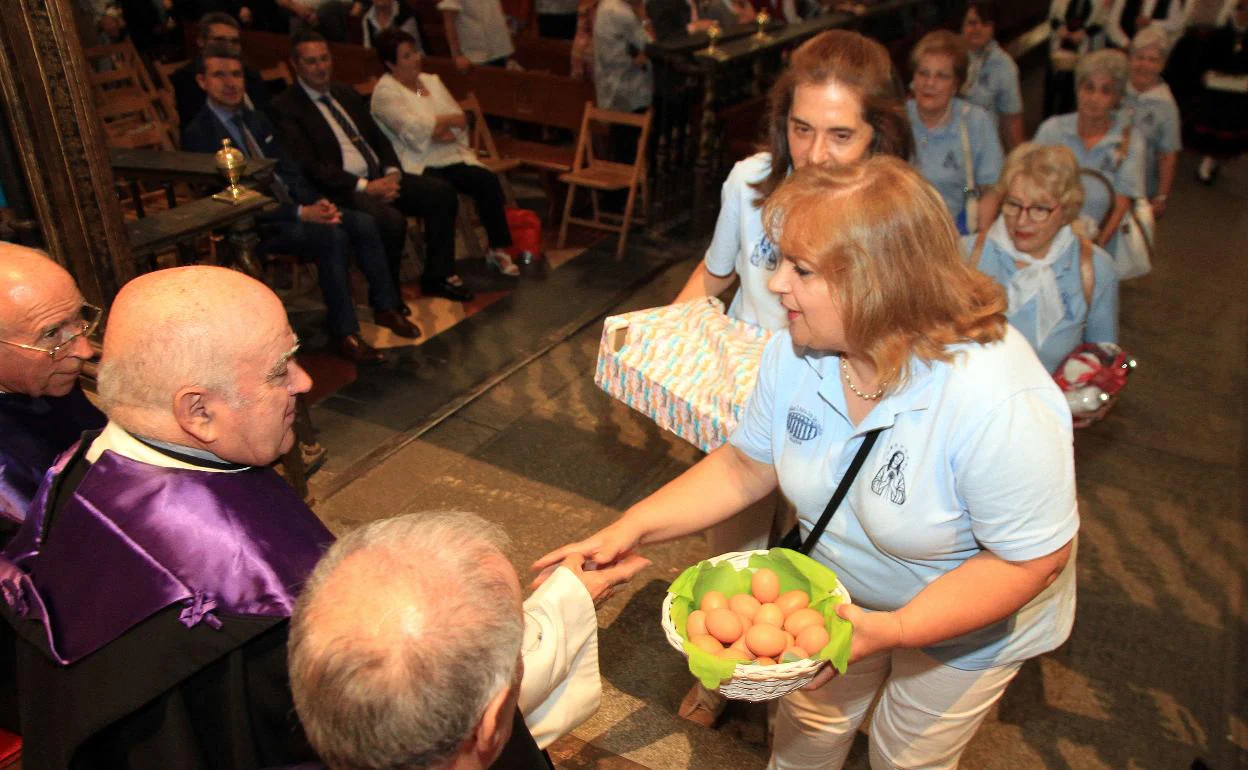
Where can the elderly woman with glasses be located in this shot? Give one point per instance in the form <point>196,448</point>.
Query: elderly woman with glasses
<point>1109,151</point>
<point>956,144</point>
<point>956,540</point>
<point>1062,290</point>
<point>1152,110</point>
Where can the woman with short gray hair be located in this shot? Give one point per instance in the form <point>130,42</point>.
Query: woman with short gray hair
<point>1109,152</point>
<point>1152,110</point>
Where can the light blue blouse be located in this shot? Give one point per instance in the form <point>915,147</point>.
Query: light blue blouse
<point>1127,177</point>
<point>995,87</point>
<point>940,157</point>
<point>1080,323</point>
<point>1155,115</point>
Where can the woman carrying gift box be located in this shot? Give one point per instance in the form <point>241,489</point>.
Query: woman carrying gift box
<point>960,561</point>
<point>839,100</point>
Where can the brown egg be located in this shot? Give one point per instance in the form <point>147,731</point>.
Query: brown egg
<point>713,600</point>
<point>769,614</point>
<point>790,638</point>
<point>707,643</point>
<point>793,654</point>
<point>765,640</point>
<point>797,621</point>
<point>732,653</point>
<point>724,625</point>
<point>813,637</point>
<point>745,622</point>
<point>744,604</point>
<point>741,645</point>
<point>765,585</point>
<point>696,625</point>
<point>763,660</point>
<point>788,603</point>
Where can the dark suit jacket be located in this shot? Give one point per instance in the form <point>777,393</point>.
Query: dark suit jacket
<point>670,19</point>
<point>307,136</point>
<point>189,98</point>
<point>205,132</point>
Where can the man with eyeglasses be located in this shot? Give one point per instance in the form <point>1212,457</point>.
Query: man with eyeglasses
<point>152,582</point>
<point>216,29</point>
<point>44,325</point>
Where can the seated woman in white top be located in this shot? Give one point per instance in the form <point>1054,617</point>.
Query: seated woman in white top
<point>430,134</point>
<point>1062,289</point>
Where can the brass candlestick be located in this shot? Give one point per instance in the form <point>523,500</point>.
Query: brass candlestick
<point>762,19</point>
<point>712,34</point>
<point>230,162</point>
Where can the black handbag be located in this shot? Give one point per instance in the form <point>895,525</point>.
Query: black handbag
<point>793,538</point>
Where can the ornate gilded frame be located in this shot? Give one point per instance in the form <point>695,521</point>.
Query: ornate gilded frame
<point>46,94</point>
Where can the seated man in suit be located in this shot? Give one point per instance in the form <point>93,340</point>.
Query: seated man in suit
<point>152,582</point>
<point>328,131</point>
<point>413,625</point>
<point>305,224</point>
<point>219,29</point>
<point>44,324</point>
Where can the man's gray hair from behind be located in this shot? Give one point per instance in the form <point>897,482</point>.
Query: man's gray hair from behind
<point>370,703</point>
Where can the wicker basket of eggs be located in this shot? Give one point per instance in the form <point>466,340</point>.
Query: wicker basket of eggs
<point>757,625</point>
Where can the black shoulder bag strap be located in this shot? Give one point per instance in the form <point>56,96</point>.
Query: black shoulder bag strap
<point>793,540</point>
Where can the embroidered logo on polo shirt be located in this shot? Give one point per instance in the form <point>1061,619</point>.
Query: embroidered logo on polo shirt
<point>1107,163</point>
<point>889,482</point>
<point>951,160</point>
<point>802,425</point>
<point>1147,119</point>
<point>765,254</point>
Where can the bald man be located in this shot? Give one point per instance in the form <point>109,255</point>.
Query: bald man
<point>44,325</point>
<point>414,626</point>
<point>152,581</point>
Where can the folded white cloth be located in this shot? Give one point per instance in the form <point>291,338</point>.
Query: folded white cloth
<point>1037,280</point>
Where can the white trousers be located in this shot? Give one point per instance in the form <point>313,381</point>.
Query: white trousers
<point>926,714</point>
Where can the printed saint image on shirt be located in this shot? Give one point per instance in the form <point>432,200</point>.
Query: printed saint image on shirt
<point>765,254</point>
<point>802,425</point>
<point>889,480</point>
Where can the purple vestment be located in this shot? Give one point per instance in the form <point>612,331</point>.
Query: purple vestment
<point>135,538</point>
<point>33,431</point>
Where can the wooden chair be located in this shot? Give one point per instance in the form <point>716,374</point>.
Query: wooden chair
<point>366,87</point>
<point>130,122</point>
<point>482,143</point>
<point>279,71</point>
<point>600,175</point>
<point>118,68</point>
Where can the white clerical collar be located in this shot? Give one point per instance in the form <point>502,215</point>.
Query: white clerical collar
<point>116,439</point>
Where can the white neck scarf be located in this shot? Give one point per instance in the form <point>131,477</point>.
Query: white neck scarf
<point>1037,280</point>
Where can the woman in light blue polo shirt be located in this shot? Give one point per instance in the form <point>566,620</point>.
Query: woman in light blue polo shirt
<point>1151,108</point>
<point>992,76</point>
<point>1102,141</point>
<point>1062,289</point>
<point>837,102</point>
<point>955,142</point>
<point>956,540</point>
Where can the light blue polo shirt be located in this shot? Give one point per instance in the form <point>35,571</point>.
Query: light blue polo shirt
<point>1127,180</point>
<point>1155,115</point>
<point>976,455</point>
<point>740,246</point>
<point>939,156</point>
<point>995,87</point>
<point>1080,323</point>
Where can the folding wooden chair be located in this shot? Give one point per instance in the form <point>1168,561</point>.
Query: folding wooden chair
<point>117,68</point>
<point>482,143</point>
<point>600,175</point>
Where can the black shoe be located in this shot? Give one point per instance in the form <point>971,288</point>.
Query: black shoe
<point>353,348</point>
<point>441,287</point>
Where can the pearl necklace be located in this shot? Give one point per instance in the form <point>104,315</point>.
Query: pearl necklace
<point>864,396</point>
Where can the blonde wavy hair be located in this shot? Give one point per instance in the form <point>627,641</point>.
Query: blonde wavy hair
<point>1050,169</point>
<point>883,240</point>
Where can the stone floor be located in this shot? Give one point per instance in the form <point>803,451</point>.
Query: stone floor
<point>1153,676</point>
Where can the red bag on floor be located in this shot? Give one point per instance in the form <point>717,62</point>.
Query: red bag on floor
<point>526,235</point>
